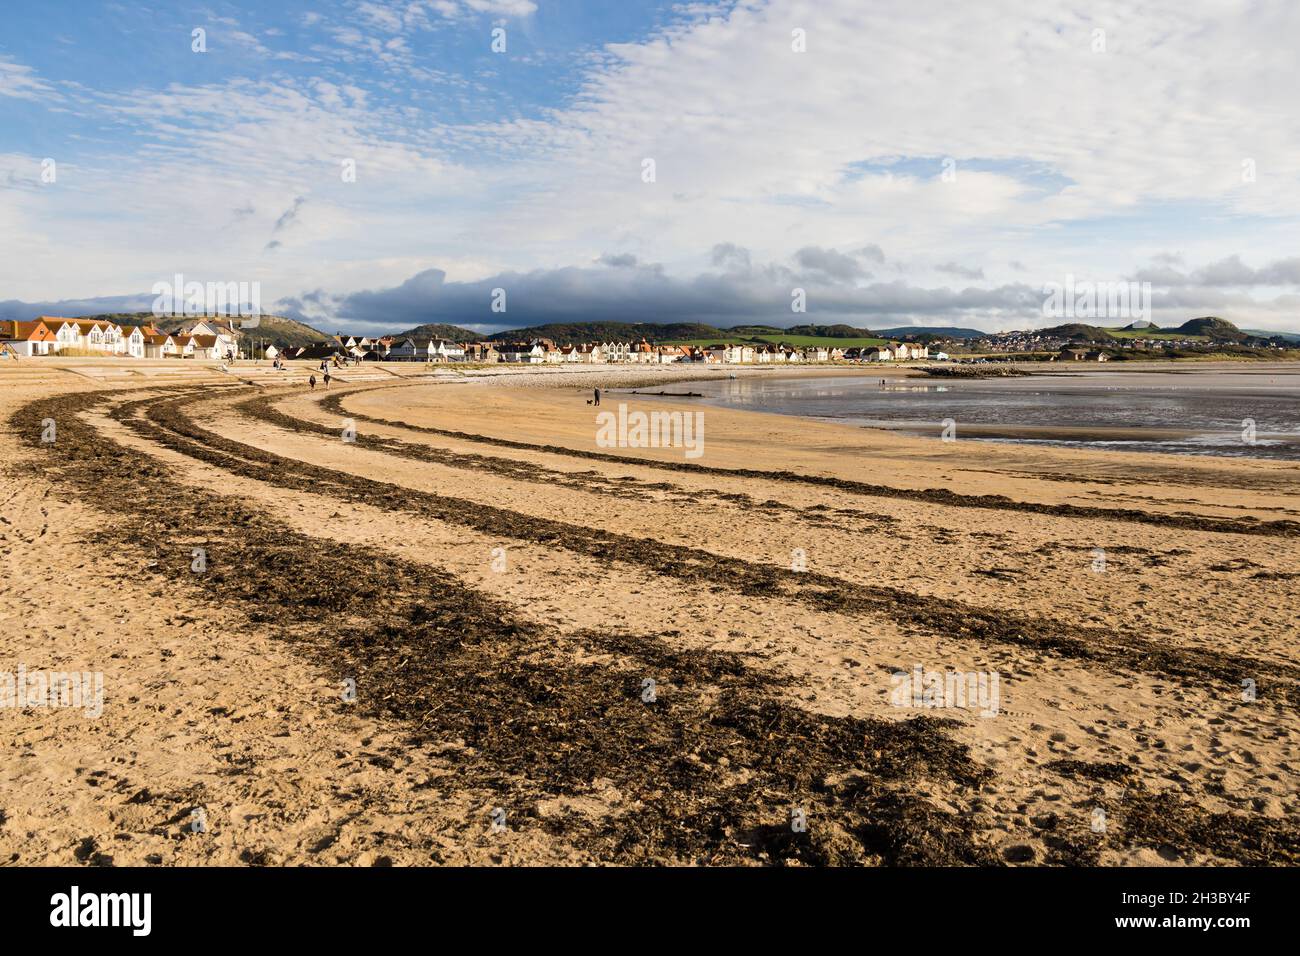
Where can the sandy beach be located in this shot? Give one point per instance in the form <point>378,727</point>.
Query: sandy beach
<point>438,620</point>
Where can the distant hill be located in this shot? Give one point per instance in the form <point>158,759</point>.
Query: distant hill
<point>438,330</point>
<point>1078,332</point>
<point>612,331</point>
<point>273,329</point>
<point>939,330</point>
<point>1208,327</point>
<point>1265,334</point>
<point>820,331</point>
<point>1212,327</point>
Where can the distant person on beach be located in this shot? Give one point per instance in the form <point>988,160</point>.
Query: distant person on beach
<point>312,382</point>
<point>327,378</point>
<point>597,396</point>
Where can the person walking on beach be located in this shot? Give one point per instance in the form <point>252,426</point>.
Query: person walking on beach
<point>597,397</point>
<point>312,382</point>
<point>327,378</point>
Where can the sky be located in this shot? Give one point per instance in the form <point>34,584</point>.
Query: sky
<point>376,164</point>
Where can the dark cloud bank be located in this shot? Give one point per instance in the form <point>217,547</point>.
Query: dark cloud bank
<point>622,291</point>
<point>838,288</point>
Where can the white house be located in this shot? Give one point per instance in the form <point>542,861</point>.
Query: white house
<point>616,351</point>
<point>27,338</point>
<point>132,341</point>
<point>159,345</point>
<point>66,333</point>
<point>732,354</point>
<point>442,351</point>
<point>530,354</point>
<point>102,336</point>
<point>183,346</point>
<point>227,339</point>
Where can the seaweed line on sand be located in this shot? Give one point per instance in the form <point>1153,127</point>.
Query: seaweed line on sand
<point>709,777</point>
<point>934,496</point>
<point>1217,672</point>
<point>707,773</point>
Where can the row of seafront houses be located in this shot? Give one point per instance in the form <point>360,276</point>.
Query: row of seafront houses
<point>215,340</point>
<point>51,335</point>
<point>546,352</point>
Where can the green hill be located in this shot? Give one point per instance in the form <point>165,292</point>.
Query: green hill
<point>1078,332</point>
<point>439,330</point>
<point>820,331</point>
<point>1208,328</point>
<point>937,331</point>
<point>611,331</point>
<point>1212,327</point>
<point>1265,334</point>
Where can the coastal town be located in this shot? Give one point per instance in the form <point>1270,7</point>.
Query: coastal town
<point>542,351</point>
<point>226,339</point>
<point>215,339</point>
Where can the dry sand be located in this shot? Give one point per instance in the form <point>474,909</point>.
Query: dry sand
<point>502,590</point>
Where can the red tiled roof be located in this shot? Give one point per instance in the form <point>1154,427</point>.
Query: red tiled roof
<point>36,331</point>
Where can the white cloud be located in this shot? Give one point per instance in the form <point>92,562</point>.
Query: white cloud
<point>1066,160</point>
<point>21,82</point>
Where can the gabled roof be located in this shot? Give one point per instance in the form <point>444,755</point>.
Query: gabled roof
<point>55,322</point>
<point>83,326</point>
<point>36,331</point>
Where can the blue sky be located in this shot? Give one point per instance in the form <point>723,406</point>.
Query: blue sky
<point>795,145</point>
<point>119,48</point>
